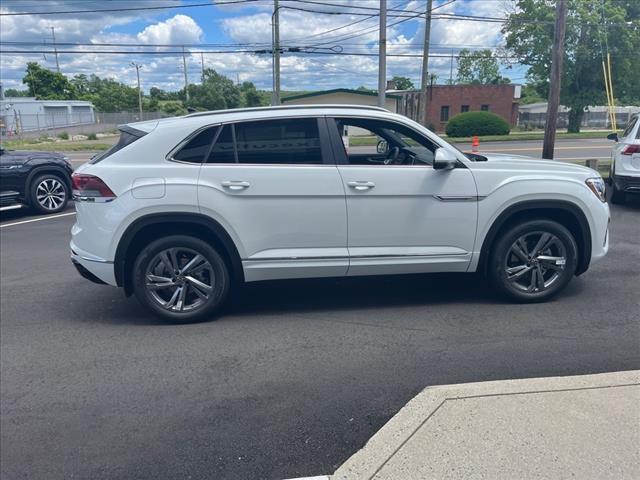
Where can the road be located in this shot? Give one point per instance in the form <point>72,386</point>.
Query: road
<point>566,150</point>
<point>290,381</point>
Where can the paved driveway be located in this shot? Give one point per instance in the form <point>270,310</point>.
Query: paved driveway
<point>290,381</point>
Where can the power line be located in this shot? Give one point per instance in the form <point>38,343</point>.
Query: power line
<point>126,9</point>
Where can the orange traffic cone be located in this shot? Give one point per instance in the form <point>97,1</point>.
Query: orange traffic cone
<point>475,143</point>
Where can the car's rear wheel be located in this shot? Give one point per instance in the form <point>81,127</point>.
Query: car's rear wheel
<point>533,260</point>
<point>181,278</point>
<point>49,193</point>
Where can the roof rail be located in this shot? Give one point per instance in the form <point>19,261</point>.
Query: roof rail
<point>284,107</point>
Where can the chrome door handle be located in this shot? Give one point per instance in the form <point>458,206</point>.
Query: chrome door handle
<point>361,185</point>
<point>235,185</point>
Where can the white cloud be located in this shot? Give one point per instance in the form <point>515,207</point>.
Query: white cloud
<point>176,30</point>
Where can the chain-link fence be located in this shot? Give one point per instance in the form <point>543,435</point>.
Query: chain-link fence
<point>14,124</point>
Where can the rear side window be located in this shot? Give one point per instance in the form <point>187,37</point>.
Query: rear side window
<point>128,135</point>
<point>287,141</point>
<point>197,149</point>
<point>223,150</point>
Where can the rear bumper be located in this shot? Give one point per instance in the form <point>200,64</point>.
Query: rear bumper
<point>92,268</point>
<point>627,184</point>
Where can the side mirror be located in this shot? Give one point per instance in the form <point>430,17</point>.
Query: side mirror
<point>444,160</point>
<point>382,146</point>
<point>613,136</point>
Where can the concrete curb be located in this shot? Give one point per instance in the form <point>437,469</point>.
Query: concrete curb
<point>367,462</point>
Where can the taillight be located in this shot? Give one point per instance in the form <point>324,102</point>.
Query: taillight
<point>90,188</point>
<point>630,149</point>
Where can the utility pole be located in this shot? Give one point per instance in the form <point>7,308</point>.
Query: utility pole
<point>202,65</point>
<point>275,22</point>
<point>425,64</point>
<point>557,56</point>
<point>138,67</point>
<point>451,69</point>
<point>55,47</point>
<point>186,79</point>
<point>382,55</point>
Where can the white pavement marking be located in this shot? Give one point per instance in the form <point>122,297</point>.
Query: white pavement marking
<point>49,217</point>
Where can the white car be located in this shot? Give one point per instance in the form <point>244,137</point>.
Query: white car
<point>181,210</point>
<point>624,176</point>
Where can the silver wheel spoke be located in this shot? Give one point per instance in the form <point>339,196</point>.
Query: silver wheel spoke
<point>199,285</point>
<point>519,248</point>
<point>517,272</point>
<point>193,263</point>
<point>172,301</point>
<point>182,297</point>
<point>167,262</point>
<point>542,242</point>
<point>156,282</point>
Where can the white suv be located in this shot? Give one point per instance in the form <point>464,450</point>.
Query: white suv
<point>624,175</point>
<point>183,209</point>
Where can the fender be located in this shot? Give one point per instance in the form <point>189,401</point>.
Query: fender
<point>209,224</point>
<point>584,242</point>
<point>46,168</point>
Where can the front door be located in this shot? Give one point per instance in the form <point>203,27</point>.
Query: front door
<point>404,216</point>
<point>274,186</point>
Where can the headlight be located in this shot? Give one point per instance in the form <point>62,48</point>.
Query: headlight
<point>596,185</point>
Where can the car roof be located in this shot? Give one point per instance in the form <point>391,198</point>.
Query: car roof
<point>259,113</point>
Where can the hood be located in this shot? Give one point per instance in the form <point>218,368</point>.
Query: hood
<point>20,157</point>
<point>503,161</point>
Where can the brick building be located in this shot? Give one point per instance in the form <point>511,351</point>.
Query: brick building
<point>446,101</point>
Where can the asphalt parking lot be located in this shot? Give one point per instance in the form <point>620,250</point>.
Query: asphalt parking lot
<point>290,381</point>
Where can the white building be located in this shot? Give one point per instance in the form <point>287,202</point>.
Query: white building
<point>535,115</point>
<point>23,114</point>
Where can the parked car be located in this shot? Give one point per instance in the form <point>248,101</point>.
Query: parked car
<point>181,210</point>
<point>624,176</point>
<point>40,180</point>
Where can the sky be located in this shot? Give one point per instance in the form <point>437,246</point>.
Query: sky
<point>239,30</point>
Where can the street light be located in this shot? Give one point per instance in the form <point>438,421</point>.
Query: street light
<point>138,67</point>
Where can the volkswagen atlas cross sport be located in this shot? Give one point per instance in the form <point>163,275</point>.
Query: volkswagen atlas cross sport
<point>182,210</point>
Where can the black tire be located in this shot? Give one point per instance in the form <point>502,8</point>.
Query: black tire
<point>48,193</point>
<point>617,196</point>
<point>185,248</point>
<point>519,282</point>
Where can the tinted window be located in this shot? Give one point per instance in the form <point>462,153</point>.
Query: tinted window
<point>484,108</point>
<point>377,142</point>
<point>197,148</point>
<point>223,150</point>
<point>464,108</point>
<point>629,129</point>
<point>294,141</point>
<point>128,135</point>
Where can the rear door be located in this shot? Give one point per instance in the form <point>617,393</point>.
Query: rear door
<point>274,186</point>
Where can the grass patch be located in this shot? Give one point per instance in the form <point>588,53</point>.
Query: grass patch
<point>55,146</point>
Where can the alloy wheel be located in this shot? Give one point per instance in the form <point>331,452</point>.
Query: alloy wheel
<point>535,261</point>
<point>51,194</point>
<point>179,279</point>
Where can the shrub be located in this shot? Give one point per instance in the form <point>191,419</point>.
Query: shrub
<point>92,136</point>
<point>63,136</point>
<point>477,123</point>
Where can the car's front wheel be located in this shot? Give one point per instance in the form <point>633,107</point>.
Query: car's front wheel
<point>181,278</point>
<point>49,193</point>
<point>533,260</point>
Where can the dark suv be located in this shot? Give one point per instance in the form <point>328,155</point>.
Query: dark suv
<point>41,180</point>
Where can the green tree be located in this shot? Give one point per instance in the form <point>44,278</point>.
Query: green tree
<point>12,92</point>
<point>46,84</point>
<point>479,67</point>
<point>529,36</point>
<point>403,83</point>
<point>250,95</point>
